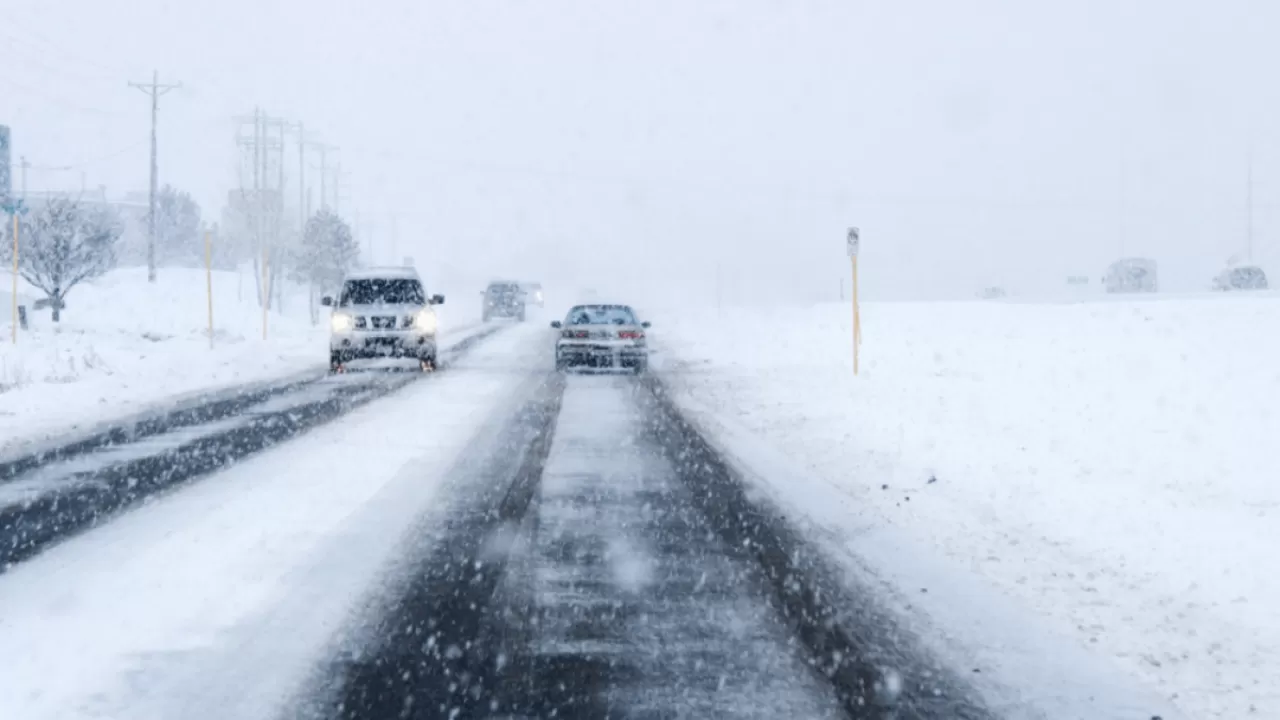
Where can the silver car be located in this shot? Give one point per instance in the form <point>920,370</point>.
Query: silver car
<point>381,313</point>
<point>1241,277</point>
<point>1131,275</point>
<point>602,336</point>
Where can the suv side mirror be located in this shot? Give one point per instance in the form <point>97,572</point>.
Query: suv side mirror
<point>437,299</point>
<point>645,324</point>
<point>556,324</point>
<point>326,301</point>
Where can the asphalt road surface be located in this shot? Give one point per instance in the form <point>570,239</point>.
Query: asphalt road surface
<point>594,573</point>
<point>639,608</point>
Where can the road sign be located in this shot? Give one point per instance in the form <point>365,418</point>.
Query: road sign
<point>854,240</point>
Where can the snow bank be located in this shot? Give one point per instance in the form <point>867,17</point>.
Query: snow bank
<point>1106,469</point>
<point>125,344</point>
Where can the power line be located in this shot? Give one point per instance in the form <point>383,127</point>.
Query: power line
<point>154,90</point>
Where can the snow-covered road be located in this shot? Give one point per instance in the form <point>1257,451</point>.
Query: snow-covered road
<point>212,601</point>
<point>642,610</point>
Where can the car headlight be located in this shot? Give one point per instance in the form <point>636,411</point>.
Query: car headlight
<point>425,321</point>
<point>341,322</point>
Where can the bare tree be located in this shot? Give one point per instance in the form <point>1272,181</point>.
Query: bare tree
<point>328,251</point>
<point>62,244</point>
<point>178,238</point>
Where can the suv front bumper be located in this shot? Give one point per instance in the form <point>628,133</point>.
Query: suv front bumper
<point>382,343</point>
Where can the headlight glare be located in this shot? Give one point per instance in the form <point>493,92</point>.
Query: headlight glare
<point>425,321</point>
<point>341,322</point>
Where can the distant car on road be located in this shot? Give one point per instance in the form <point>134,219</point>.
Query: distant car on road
<point>1242,277</point>
<point>602,336</point>
<point>503,299</point>
<point>992,293</point>
<point>382,312</point>
<point>533,292</point>
<point>1132,275</point>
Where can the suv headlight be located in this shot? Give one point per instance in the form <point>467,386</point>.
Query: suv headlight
<point>341,322</point>
<point>425,321</point>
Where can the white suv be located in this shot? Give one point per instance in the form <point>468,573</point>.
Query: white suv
<point>382,312</point>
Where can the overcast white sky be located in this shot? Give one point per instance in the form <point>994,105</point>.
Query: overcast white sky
<point>640,145</point>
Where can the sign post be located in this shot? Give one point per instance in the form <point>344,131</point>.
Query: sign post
<point>208,280</point>
<point>14,208</point>
<point>266,289</point>
<point>853,245</point>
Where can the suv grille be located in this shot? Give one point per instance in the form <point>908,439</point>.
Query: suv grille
<point>380,322</point>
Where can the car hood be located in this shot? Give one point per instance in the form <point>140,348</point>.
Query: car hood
<point>383,309</point>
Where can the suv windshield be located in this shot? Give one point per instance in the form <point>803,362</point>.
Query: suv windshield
<point>382,291</point>
<point>503,290</point>
<point>601,315</point>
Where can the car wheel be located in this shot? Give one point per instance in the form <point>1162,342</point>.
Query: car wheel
<point>335,363</point>
<point>562,365</point>
<point>428,364</point>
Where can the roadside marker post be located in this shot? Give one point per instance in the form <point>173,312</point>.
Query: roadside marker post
<point>15,275</point>
<point>15,208</point>
<point>853,243</point>
<point>266,289</point>
<point>208,280</point>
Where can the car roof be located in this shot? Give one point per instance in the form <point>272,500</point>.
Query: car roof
<point>602,306</point>
<point>374,273</point>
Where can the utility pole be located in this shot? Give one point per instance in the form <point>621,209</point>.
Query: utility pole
<point>324,172</point>
<point>302,180</point>
<point>265,206</point>
<point>1249,209</point>
<point>337,190</point>
<point>155,90</point>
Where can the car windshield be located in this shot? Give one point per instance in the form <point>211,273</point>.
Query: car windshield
<point>382,291</point>
<point>1247,276</point>
<point>601,315</point>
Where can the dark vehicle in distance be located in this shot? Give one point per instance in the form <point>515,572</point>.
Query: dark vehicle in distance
<point>1244,277</point>
<point>503,299</point>
<point>533,293</point>
<point>1132,275</point>
<point>602,336</point>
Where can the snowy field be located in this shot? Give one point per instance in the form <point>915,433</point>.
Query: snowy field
<point>125,345</point>
<point>1055,493</point>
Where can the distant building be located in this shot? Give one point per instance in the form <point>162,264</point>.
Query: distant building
<point>6,173</point>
